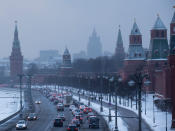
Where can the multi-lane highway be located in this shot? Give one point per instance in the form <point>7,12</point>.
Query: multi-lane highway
<point>46,112</point>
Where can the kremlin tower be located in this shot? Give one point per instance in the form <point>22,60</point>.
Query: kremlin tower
<point>119,50</point>
<point>66,67</point>
<point>158,53</point>
<point>16,58</point>
<point>172,67</point>
<point>136,55</point>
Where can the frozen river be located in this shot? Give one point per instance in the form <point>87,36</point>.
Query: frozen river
<point>9,102</point>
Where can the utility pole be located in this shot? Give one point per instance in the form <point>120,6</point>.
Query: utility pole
<point>101,102</point>
<point>20,81</point>
<point>109,100</point>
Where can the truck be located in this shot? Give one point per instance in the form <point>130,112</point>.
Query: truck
<point>67,100</point>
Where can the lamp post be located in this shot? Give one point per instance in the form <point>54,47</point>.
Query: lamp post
<point>101,97</point>
<point>139,78</point>
<point>20,81</point>
<point>117,81</point>
<point>153,111</point>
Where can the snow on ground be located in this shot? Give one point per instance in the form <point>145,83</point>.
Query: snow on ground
<point>160,117</point>
<point>9,101</point>
<point>121,125</point>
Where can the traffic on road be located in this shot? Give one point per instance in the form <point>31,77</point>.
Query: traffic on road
<point>68,114</point>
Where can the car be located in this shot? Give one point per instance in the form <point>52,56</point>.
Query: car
<point>82,107</point>
<point>77,112</point>
<point>76,121</point>
<point>32,116</point>
<point>58,122</point>
<point>71,107</point>
<point>93,122</point>
<point>21,124</point>
<point>55,102</point>
<point>60,107</point>
<point>87,110</point>
<point>79,117</point>
<point>90,114</point>
<point>72,127</point>
<point>61,115</point>
<point>37,102</point>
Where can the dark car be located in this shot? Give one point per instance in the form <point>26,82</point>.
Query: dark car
<point>93,122</point>
<point>79,117</point>
<point>32,116</point>
<point>58,122</point>
<point>72,127</point>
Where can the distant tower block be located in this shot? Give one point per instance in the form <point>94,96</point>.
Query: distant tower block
<point>94,46</point>
<point>16,58</point>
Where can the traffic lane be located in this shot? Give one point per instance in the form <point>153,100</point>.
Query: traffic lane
<point>84,126</point>
<point>131,122</point>
<point>45,112</point>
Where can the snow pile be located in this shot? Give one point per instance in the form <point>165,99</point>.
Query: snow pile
<point>9,102</point>
<point>160,117</point>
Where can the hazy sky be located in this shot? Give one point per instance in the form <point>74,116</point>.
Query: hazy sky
<point>53,24</point>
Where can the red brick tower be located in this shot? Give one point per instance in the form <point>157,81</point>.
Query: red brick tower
<point>172,66</point>
<point>136,55</point>
<point>16,58</point>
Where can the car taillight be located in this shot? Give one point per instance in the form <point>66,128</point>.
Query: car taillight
<point>76,129</point>
<point>68,129</point>
<point>81,118</point>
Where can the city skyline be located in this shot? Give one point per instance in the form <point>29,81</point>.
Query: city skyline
<point>71,23</point>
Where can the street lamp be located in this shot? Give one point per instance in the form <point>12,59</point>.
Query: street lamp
<point>117,81</point>
<point>110,81</point>
<point>139,78</point>
<point>101,97</point>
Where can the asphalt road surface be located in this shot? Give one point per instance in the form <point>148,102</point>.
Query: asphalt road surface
<point>46,112</point>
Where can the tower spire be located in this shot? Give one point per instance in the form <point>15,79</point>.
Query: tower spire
<point>119,38</point>
<point>16,43</point>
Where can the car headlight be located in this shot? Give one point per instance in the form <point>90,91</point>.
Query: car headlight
<point>17,125</point>
<point>24,125</point>
<point>34,117</point>
<point>28,117</point>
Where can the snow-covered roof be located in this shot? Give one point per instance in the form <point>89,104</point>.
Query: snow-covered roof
<point>135,30</point>
<point>159,25</point>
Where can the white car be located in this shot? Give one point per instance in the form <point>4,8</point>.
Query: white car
<point>22,124</point>
<point>37,102</point>
<point>72,107</point>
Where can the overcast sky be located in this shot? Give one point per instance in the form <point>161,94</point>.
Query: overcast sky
<point>53,24</point>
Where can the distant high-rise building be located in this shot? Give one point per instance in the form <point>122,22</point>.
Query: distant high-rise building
<point>16,58</point>
<point>119,50</point>
<point>94,47</point>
